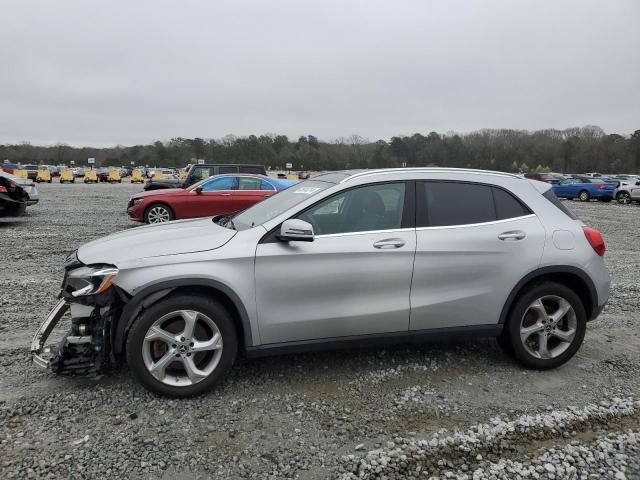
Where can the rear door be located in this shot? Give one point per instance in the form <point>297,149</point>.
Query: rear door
<point>474,243</point>
<point>353,279</point>
<point>214,199</point>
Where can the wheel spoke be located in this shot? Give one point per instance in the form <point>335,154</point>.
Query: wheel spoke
<point>538,307</point>
<point>158,368</point>
<point>565,336</point>
<point>214,343</point>
<point>526,332</point>
<point>193,372</point>
<point>563,309</point>
<point>190,318</point>
<point>543,349</point>
<point>157,333</point>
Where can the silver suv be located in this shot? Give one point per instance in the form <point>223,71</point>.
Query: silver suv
<point>339,260</point>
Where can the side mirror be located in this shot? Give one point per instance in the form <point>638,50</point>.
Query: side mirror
<point>198,190</point>
<point>294,230</point>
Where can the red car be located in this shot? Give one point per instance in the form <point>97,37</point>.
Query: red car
<point>217,195</point>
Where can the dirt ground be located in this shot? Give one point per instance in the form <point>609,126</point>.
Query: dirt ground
<point>316,415</point>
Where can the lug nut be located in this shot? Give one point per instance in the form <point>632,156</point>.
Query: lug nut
<point>182,339</point>
<point>191,344</point>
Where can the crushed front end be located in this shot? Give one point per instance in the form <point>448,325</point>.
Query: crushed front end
<point>95,304</point>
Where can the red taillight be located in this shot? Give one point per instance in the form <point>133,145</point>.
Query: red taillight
<point>3,189</point>
<point>600,186</point>
<point>595,240</point>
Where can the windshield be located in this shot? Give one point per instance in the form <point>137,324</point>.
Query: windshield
<point>278,204</point>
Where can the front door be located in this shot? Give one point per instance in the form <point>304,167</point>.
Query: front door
<point>353,279</point>
<point>214,198</point>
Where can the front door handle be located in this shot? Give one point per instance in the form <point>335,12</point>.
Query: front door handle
<point>389,243</point>
<point>512,235</point>
<point>225,194</point>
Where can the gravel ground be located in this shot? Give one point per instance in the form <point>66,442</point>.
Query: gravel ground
<point>454,410</point>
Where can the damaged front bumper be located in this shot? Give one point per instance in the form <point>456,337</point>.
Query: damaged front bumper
<point>43,332</point>
<point>84,350</point>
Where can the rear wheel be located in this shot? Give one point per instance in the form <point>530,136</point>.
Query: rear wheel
<point>158,213</point>
<point>623,198</point>
<point>546,326</point>
<point>584,196</point>
<point>182,346</point>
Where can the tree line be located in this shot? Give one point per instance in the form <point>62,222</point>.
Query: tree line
<point>582,149</point>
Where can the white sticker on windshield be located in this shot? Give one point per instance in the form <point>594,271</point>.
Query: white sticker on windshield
<point>307,190</point>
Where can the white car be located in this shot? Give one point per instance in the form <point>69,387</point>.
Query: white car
<point>27,185</point>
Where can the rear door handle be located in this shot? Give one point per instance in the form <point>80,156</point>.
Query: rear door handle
<point>389,243</point>
<point>512,235</point>
<point>225,194</point>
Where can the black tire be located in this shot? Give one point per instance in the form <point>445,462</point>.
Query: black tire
<point>518,311</point>
<point>584,196</point>
<point>164,206</point>
<point>211,308</point>
<point>623,198</point>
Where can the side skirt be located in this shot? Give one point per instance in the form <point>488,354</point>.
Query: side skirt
<point>365,341</point>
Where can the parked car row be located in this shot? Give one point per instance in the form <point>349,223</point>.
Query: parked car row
<point>592,186</point>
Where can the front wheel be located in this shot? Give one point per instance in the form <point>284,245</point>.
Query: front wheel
<point>584,196</point>
<point>182,346</point>
<point>546,326</point>
<point>623,198</point>
<point>158,213</point>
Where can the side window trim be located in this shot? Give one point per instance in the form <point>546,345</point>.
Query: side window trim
<point>465,225</point>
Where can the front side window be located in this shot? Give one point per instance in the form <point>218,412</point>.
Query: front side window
<point>442,204</point>
<point>220,183</point>
<point>200,173</point>
<point>362,209</point>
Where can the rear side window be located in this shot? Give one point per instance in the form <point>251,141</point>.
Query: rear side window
<point>227,169</point>
<point>549,195</point>
<point>442,204</point>
<point>507,206</point>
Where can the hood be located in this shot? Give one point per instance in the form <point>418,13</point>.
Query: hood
<point>171,238</point>
<point>164,191</point>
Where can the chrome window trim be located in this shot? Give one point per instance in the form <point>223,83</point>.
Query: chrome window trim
<point>365,232</point>
<point>494,222</point>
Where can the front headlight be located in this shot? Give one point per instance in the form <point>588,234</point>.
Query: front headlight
<point>90,280</point>
<point>136,201</point>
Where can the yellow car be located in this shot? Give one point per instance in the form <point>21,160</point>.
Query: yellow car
<point>67,176</point>
<point>114,177</point>
<point>43,175</point>
<point>90,176</point>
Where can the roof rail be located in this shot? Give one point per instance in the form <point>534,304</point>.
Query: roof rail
<point>387,171</point>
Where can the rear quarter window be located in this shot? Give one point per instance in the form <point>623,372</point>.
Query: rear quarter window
<point>549,195</point>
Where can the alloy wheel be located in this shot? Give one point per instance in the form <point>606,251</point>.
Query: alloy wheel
<point>182,348</point>
<point>548,327</point>
<point>158,214</point>
<point>624,198</point>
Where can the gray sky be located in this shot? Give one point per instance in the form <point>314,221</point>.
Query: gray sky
<point>126,72</point>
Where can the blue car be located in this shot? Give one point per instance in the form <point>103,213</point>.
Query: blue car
<point>585,189</point>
